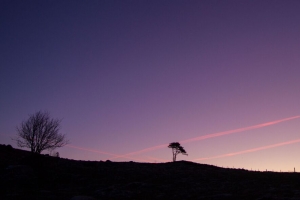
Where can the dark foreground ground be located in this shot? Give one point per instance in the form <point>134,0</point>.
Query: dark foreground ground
<point>24,176</point>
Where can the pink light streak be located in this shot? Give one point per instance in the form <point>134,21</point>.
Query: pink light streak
<point>250,150</point>
<point>238,130</point>
<point>204,137</point>
<point>103,152</point>
<point>156,159</point>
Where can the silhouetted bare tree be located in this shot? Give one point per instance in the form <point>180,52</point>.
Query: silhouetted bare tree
<point>176,149</point>
<point>40,132</point>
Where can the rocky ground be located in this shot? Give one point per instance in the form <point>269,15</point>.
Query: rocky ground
<point>27,176</point>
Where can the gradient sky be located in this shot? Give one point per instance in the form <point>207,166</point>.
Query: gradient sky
<point>130,75</point>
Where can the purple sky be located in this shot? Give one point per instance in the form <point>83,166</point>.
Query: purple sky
<point>133,74</point>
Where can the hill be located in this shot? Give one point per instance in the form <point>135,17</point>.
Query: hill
<point>27,176</point>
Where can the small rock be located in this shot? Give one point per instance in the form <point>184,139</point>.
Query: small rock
<point>82,198</point>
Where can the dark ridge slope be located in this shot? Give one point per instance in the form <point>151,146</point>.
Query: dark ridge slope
<point>27,176</point>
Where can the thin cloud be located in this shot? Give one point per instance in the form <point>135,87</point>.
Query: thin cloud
<point>211,136</point>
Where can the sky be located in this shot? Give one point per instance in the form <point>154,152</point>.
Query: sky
<point>128,77</point>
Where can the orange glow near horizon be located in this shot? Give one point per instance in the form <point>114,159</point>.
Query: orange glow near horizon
<point>210,136</point>
<point>250,150</point>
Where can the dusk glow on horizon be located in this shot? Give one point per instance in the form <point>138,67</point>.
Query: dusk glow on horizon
<point>250,150</point>
<point>128,77</point>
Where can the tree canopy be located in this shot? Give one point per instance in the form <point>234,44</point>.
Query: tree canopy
<point>176,149</point>
<point>40,132</point>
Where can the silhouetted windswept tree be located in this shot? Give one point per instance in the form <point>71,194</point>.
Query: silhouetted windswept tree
<point>40,132</point>
<point>176,149</point>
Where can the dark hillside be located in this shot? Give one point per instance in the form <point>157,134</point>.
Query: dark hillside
<point>27,176</point>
